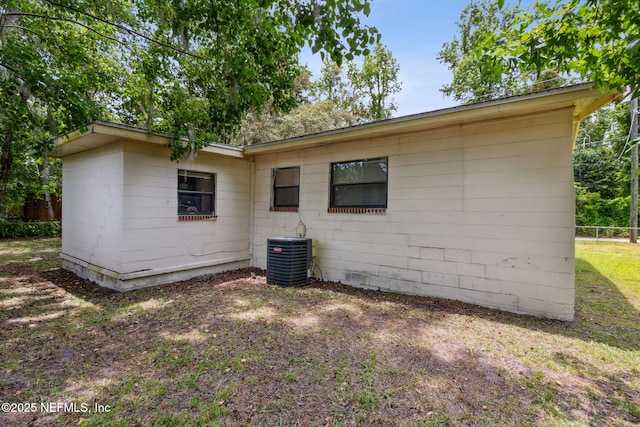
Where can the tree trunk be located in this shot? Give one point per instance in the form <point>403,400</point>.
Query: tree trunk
<point>6,160</point>
<point>45,180</point>
<point>46,169</point>
<point>150,105</point>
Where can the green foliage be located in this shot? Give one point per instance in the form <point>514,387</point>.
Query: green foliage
<point>363,93</point>
<point>599,40</point>
<point>306,118</point>
<point>220,61</point>
<point>342,96</point>
<point>28,179</point>
<point>377,82</point>
<point>595,167</point>
<point>620,140</point>
<point>189,68</point>
<point>592,209</point>
<point>601,168</point>
<point>55,70</point>
<point>334,86</point>
<point>16,229</point>
<point>475,79</point>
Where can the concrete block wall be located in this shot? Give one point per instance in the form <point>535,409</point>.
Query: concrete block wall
<point>477,212</point>
<point>121,224</point>
<point>92,185</point>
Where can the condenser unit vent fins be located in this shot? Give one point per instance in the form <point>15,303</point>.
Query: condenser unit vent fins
<point>288,260</point>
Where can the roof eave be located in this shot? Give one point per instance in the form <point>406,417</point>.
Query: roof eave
<point>100,133</point>
<point>583,98</point>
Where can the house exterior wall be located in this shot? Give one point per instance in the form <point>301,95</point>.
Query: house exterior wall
<point>151,245</point>
<point>481,213</point>
<point>93,210</point>
<point>156,240</point>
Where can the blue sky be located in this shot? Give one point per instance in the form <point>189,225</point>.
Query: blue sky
<point>414,30</point>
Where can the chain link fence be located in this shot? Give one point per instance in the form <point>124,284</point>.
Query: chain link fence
<point>602,232</point>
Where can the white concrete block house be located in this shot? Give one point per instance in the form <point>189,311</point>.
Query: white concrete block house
<point>473,203</point>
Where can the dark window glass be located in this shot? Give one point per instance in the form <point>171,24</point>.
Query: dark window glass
<point>359,183</point>
<point>286,187</point>
<point>196,193</point>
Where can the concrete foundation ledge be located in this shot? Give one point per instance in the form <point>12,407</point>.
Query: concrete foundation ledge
<point>141,279</point>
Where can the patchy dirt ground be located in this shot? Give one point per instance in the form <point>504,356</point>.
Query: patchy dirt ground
<point>231,350</point>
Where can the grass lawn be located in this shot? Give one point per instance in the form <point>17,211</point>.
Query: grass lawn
<point>231,350</point>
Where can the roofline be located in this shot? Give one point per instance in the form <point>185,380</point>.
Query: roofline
<point>106,132</point>
<point>582,98</point>
<point>513,105</point>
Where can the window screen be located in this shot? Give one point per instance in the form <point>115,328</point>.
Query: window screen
<point>286,187</point>
<point>359,183</point>
<point>196,193</point>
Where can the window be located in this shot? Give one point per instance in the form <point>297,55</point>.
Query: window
<point>196,195</point>
<point>359,184</point>
<point>286,188</point>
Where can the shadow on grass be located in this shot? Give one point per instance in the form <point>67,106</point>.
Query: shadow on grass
<point>603,314</point>
<point>229,349</point>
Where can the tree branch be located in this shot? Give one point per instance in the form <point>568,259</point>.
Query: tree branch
<point>7,67</point>
<point>71,21</point>
<point>125,29</point>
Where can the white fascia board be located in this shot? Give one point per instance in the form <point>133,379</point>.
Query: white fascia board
<point>582,98</point>
<point>101,133</point>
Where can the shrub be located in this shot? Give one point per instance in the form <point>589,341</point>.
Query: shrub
<point>17,228</point>
<point>593,210</point>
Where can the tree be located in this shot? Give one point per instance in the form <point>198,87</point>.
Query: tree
<point>376,82</point>
<point>229,58</point>
<point>342,96</point>
<point>365,92</point>
<point>595,168</point>
<point>597,159</point>
<point>187,67</point>
<point>474,81</point>
<point>323,104</point>
<point>45,84</point>
<point>598,40</point>
<point>314,113</point>
<point>601,168</point>
<point>337,92</point>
